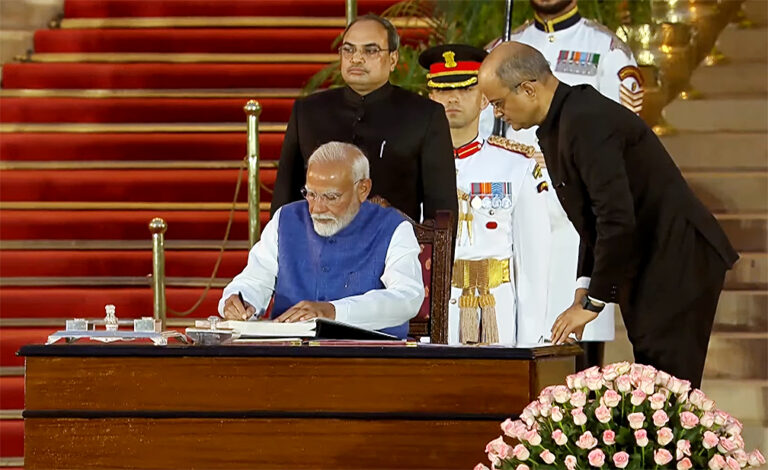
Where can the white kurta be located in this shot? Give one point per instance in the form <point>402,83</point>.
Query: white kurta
<point>518,230</point>
<point>614,75</point>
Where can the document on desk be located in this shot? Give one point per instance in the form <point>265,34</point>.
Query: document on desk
<point>319,328</point>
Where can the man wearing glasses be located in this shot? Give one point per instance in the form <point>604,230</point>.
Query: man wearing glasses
<point>404,136</point>
<point>647,243</point>
<point>333,255</point>
<point>499,285</point>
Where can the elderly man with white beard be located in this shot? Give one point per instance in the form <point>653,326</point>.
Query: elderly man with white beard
<point>334,255</point>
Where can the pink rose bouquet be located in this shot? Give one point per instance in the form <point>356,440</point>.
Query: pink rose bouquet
<point>627,416</point>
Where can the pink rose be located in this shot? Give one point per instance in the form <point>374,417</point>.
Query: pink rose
<point>603,414</point>
<point>726,446</point>
<point>647,385</point>
<point>732,464</point>
<point>559,437</point>
<point>620,459</point>
<point>636,420</point>
<point>664,436</point>
<point>717,462</point>
<point>707,404</point>
<point>641,436</point>
<point>520,452</point>
<point>480,467</point>
<point>513,428</point>
<point>662,456</point>
<point>741,457</point>
<point>586,441</point>
<point>561,394</point>
<point>611,398</point>
<point>532,437</point>
<point>609,437</point>
<point>710,440</point>
<point>596,458</point>
<point>756,458</point>
<point>721,417</point>
<point>545,409</point>
<point>623,383</point>
<point>547,456</point>
<point>733,426</point>
<point>707,419</point>
<point>498,448</point>
<point>688,420</point>
<point>685,387</point>
<point>578,399</point>
<point>610,372</point>
<point>697,397</point>
<point>575,381</point>
<point>662,378</point>
<point>593,378</point>
<point>675,385</point>
<point>556,413</point>
<point>522,466</point>
<point>657,401</point>
<point>579,418</point>
<point>660,418</point>
<point>684,464</point>
<point>683,448</point>
<point>638,396</point>
<point>570,462</point>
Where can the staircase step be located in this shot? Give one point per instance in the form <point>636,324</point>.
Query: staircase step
<point>197,263</point>
<point>749,272</point>
<point>745,399</point>
<point>735,78</point>
<point>212,40</point>
<point>401,23</point>
<point>117,245</point>
<point>744,44</point>
<point>138,110</point>
<point>704,151</point>
<point>141,128</point>
<point>746,232</point>
<point>178,58</point>
<point>14,42</point>
<point>719,114</point>
<point>105,93</point>
<point>149,146</point>
<point>131,165</point>
<point>744,191</point>
<point>12,438</point>
<point>130,185</point>
<point>756,11</point>
<point>29,75</point>
<point>742,310</point>
<point>120,225</point>
<point>155,8</point>
<point>12,393</point>
<point>737,357</point>
<point>29,14</point>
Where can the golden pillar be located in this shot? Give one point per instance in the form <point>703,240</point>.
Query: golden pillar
<point>351,7</point>
<point>157,227</point>
<point>252,110</point>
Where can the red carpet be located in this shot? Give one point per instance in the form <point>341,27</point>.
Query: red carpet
<point>12,397</point>
<point>88,302</point>
<point>148,8</point>
<point>12,437</point>
<point>197,263</point>
<point>253,40</point>
<point>116,110</point>
<point>79,75</point>
<point>120,225</point>
<point>129,185</point>
<point>155,146</point>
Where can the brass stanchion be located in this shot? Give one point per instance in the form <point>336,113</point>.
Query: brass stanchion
<point>158,227</point>
<point>351,11</point>
<point>252,110</point>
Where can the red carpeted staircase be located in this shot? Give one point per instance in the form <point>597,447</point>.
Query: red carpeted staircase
<point>129,110</point>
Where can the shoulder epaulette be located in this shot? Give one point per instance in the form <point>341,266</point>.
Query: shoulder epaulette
<point>512,146</point>
<point>616,43</point>
<point>520,28</point>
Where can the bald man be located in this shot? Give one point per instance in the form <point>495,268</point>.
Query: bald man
<point>647,243</point>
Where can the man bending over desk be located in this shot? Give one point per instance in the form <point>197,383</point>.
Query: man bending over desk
<point>333,255</point>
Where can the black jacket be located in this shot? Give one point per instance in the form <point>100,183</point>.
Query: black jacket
<point>405,137</point>
<point>639,222</point>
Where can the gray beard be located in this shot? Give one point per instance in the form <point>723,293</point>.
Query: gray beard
<point>328,225</point>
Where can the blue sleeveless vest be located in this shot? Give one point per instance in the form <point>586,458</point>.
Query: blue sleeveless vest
<point>322,269</point>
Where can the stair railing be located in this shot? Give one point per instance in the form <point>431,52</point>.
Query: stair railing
<point>253,110</point>
<point>157,227</point>
<point>351,11</point>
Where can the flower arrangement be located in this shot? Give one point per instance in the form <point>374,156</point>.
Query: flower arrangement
<point>627,416</point>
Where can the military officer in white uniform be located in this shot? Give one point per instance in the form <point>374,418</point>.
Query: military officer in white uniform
<point>500,273</point>
<point>579,51</point>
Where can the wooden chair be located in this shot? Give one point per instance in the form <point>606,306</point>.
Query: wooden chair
<point>436,240</point>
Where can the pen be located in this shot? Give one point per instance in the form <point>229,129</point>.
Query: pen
<point>242,301</point>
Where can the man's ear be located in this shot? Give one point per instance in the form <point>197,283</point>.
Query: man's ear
<point>529,89</point>
<point>394,57</point>
<point>364,189</point>
<point>483,101</point>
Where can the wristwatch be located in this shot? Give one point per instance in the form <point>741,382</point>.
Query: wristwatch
<point>589,304</point>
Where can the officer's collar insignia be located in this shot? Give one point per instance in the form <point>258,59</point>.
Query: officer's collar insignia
<point>559,23</point>
<point>467,150</point>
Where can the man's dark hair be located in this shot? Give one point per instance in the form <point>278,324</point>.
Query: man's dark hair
<point>393,39</point>
<point>526,64</point>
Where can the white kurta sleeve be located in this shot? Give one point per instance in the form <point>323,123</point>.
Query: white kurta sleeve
<point>531,247</point>
<point>621,80</point>
<point>257,281</point>
<point>403,291</point>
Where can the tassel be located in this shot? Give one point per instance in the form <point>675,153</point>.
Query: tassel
<point>488,325</point>
<point>469,324</point>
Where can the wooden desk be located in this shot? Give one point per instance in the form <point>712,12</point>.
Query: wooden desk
<point>142,406</point>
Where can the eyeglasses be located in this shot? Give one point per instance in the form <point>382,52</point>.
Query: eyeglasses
<point>498,104</point>
<point>369,51</point>
<point>329,198</point>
